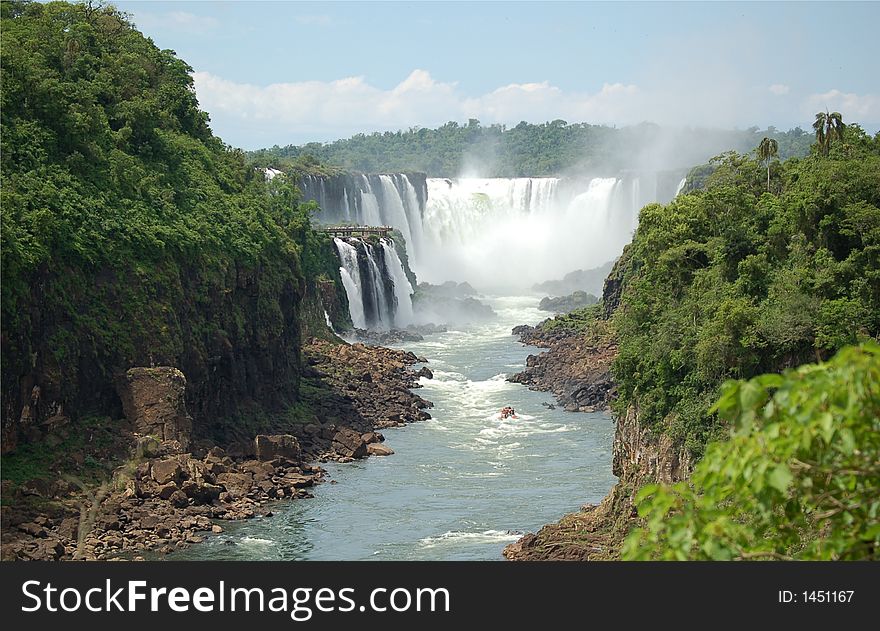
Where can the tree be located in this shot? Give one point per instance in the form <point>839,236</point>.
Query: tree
<point>828,127</point>
<point>767,150</point>
<point>799,479</point>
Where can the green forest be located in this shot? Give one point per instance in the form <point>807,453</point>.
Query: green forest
<point>130,233</point>
<point>525,150</point>
<point>724,288</point>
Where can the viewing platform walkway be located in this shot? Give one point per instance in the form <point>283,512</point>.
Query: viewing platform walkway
<point>354,231</point>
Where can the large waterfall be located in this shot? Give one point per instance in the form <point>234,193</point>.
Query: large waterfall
<point>396,199</point>
<point>497,233</point>
<point>506,233</point>
<point>379,293</point>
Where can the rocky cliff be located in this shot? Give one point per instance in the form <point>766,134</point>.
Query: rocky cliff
<point>234,333</point>
<point>574,368</point>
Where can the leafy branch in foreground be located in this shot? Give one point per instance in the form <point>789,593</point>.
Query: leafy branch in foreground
<point>800,478</point>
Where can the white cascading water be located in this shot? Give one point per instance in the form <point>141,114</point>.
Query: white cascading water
<point>504,233</point>
<point>680,186</point>
<point>384,317</point>
<point>371,215</point>
<point>497,233</point>
<point>403,290</point>
<point>365,269</point>
<point>351,281</point>
<point>394,208</point>
<point>414,216</point>
<point>370,200</point>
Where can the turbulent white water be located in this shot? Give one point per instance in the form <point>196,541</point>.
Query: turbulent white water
<point>511,233</point>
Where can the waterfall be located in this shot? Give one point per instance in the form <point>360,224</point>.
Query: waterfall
<point>396,200</point>
<point>502,233</point>
<point>382,316</point>
<point>403,290</point>
<point>379,293</point>
<point>494,232</point>
<point>351,281</point>
<point>680,186</point>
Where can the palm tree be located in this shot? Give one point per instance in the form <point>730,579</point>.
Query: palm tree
<point>767,150</point>
<point>828,127</point>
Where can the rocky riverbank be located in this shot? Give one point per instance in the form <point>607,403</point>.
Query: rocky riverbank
<point>170,488</point>
<point>574,368</point>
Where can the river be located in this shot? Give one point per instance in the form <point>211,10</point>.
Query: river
<point>461,485</point>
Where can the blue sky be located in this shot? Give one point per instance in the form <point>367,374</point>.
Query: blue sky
<point>290,72</point>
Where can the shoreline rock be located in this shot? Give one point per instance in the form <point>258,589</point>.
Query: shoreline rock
<point>575,370</point>
<point>568,303</point>
<point>172,489</point>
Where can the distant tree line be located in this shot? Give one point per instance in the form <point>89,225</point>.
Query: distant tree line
<point>551,148</point>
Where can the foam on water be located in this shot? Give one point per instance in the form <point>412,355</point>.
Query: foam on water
<point>457,538</point>
<point>256,541</point>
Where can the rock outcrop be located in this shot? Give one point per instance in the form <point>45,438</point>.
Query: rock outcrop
<point>171,488</point>
<point>283,447</point>
<point>155,504</point>
<point>565,304</point>
<point>154,401</point>
<point>574,369</point>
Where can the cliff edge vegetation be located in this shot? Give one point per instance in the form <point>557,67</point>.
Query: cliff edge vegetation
<point>768,266</point>
<point>132,236</point>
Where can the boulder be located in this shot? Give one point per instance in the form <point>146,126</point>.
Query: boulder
<point>147,446</point>
<point>167,470</point>
<point>349,443</point>
<point>260,470</point>
<point>298,480</point>
<point>378,449</point>
<point>179,499</point>
<point>166,490</point>
<point>34,530</point>
<point>153,399</point>
<point>278,446</point>
<point>370,437</point>
<point>236,484</point>
<point>203,493</point>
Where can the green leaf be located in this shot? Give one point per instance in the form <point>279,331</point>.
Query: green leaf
<point>847,440</point>
<point>780,478</point>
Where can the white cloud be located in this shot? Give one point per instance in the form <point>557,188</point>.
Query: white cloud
<point>254,115</point>
<point>779,89</point>
<point>176,20</point>
<point>351,104</point>
<point>854,107</point>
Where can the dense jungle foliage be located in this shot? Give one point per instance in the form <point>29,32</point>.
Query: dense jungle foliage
<point>130,233</point>
<point>732,281</point>
<point>532,150</point>
<point>799,479</point>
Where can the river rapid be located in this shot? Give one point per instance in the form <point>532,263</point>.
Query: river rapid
<point>461,485</point>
